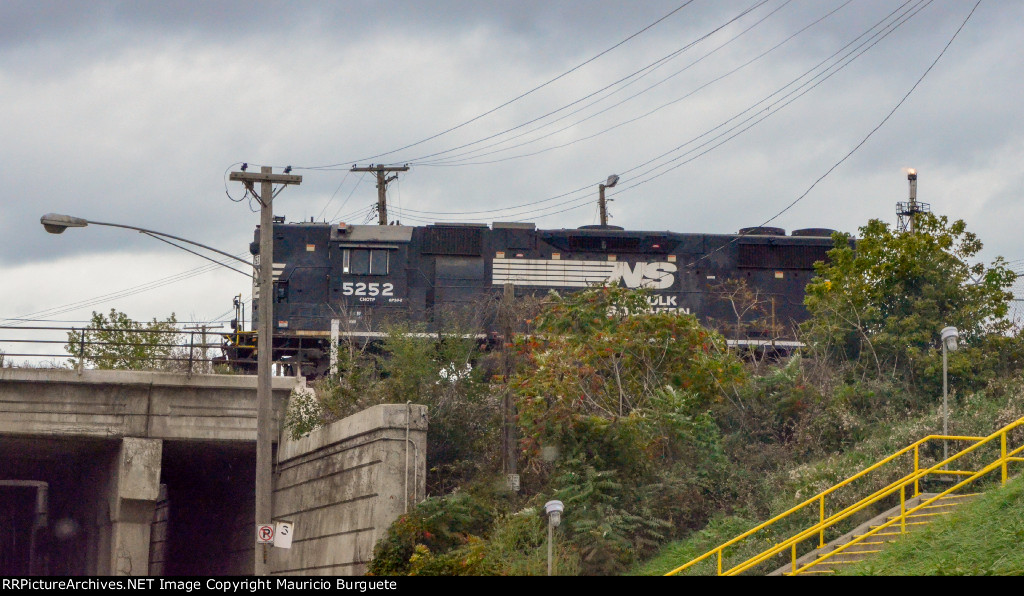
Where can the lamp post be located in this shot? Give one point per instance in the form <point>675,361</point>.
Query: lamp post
<point>56,224</point>
<point>554,510</point>
<point>949,337</point>
<point>612,181</point>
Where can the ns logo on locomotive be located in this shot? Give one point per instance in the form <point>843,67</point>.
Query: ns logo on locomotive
<point>355,279</point>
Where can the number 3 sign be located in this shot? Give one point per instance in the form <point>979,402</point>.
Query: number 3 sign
<point>283,535</point>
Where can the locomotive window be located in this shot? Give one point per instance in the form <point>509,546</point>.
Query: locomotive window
<point>378,262</point>
<point>365,262</point>
<point>359,262</point>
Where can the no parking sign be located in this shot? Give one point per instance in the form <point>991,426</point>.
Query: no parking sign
<point>264,534</point>
<point>279,534</point>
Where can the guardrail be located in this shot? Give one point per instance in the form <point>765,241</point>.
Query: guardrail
<point>178,349</point>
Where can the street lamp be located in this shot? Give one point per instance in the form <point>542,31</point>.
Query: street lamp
<point>949,337</point>
<point>55,223</point>
<point>264,484</point>
<point>554,510</point>
<point>611,182</point>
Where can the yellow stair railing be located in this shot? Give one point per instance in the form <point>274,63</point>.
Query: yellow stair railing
<point>828,524</point>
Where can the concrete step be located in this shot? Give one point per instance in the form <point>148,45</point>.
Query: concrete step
<point>877,541</point>
<point>850,557</point>
<point>884,536</point>
<point>870,545</point>
<point>830,565</point>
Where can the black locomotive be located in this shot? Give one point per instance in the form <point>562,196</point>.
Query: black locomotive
<point>349,281</point>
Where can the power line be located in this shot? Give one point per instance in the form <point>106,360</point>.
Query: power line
<point>453,161</point>
<point>650,68</point>
<point>345,202</point>
<point>757,118</point>
<point>123,293</point>
<point>774,107</point>
<point>459,159</point>
<point>511,101</point>
<point>353,215</point>
<point>767,111</point>
<point>408,213</point>
<point>86,322</point>
<point>330,200</point>
<point>863,141</point>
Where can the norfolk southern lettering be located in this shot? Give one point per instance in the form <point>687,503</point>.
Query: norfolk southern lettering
<point>364,277</point>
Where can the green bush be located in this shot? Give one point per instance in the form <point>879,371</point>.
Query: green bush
<point>880,305</point>
<point>435,525</point>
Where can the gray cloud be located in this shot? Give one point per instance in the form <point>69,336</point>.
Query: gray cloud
<point>131,112</point>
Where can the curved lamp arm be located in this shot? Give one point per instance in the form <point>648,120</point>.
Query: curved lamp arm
<point>56,223</point>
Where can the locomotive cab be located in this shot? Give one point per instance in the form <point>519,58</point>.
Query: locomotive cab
<point>367,281</point>
<point>323,273</point>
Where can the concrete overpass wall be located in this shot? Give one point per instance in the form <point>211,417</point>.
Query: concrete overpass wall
<point>108,442</point>
<point>114,403</point>
<point>104,441</point>
<point>344,484</point>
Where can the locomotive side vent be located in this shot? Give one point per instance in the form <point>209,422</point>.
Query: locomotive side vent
<point>763,231</point>
<point>774,256</point>
<point>821,232</point>
<point>464,242</point>
<point>603,243</point>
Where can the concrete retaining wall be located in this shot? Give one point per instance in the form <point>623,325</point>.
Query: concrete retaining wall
<point>344,484</point>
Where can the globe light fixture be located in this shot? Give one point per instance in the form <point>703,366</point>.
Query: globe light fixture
<point>554,510</point>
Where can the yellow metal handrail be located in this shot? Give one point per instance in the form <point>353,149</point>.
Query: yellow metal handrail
<point>906,512</point>
<point>899,485</point>
<point>937,468</point>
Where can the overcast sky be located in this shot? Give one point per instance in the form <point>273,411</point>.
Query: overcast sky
<point>717,117</point>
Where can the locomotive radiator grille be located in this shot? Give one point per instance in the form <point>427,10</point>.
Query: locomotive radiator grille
<point>453,241</point>
<point>768,256</point>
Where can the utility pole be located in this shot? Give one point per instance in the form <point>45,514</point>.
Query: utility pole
<point>382,186</point>
<point>264,349</point>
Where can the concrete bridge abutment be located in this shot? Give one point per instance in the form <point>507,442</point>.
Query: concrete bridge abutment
<point>146,472</point>
<point>131,500</point>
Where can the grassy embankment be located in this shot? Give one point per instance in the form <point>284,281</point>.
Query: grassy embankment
<point>984,537</point>
<point>977,414</point>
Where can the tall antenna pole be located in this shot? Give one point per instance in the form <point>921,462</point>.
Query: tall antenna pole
<point>912,179</point>
<point>382,185</point>
<point>908,210</point>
